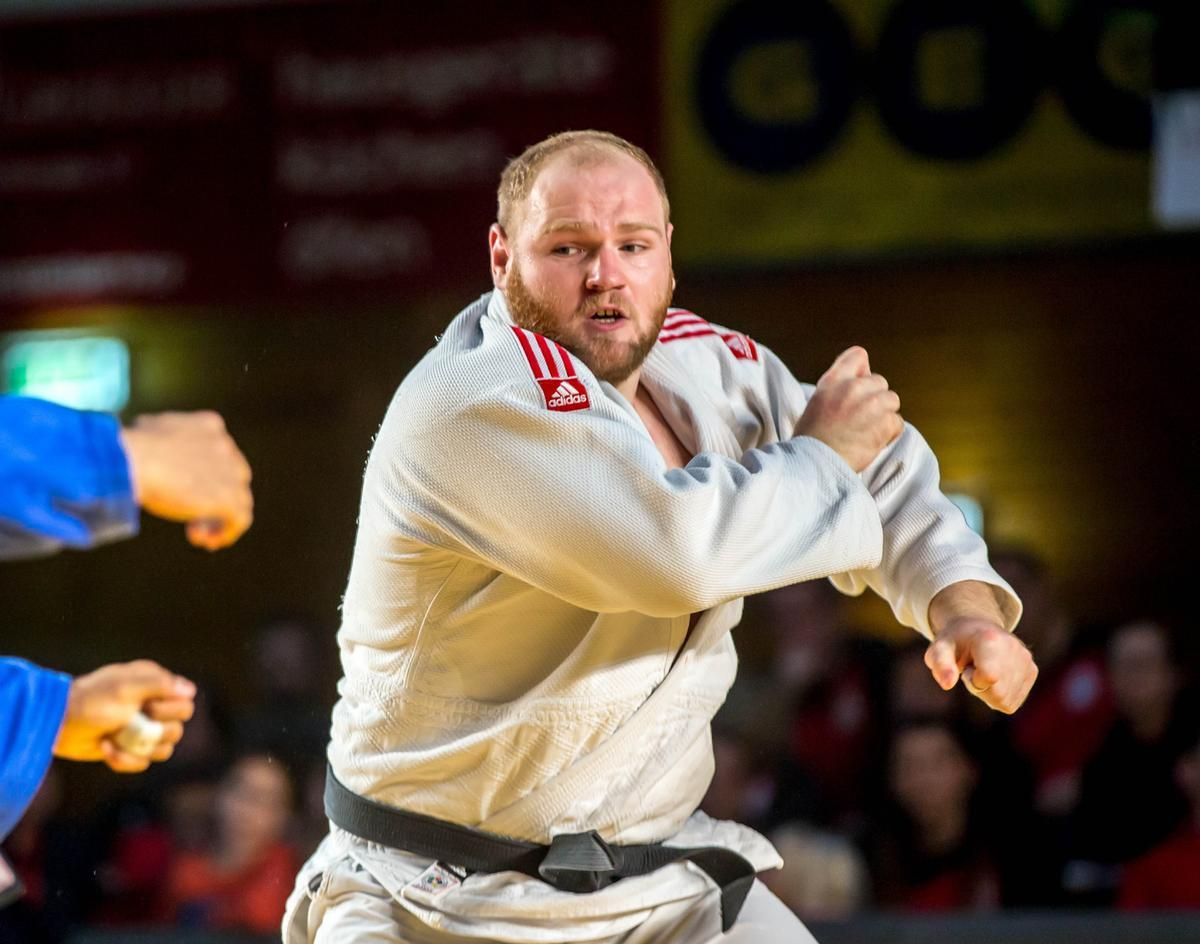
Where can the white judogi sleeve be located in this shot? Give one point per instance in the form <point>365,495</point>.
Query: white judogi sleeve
<point>927,544</point>
<point>581,505</point>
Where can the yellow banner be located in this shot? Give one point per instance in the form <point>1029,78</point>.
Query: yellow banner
<point>827,128</point>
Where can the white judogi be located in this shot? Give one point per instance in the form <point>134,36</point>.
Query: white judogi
<point>515,635</point>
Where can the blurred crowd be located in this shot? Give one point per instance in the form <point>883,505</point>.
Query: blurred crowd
<point>880,790</point>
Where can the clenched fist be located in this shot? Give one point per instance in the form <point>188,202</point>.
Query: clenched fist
<point>852,410</point>
<point>971,643</point>
<point>101,703</point>
<point>186,467</point>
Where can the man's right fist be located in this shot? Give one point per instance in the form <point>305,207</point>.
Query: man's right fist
<point>186,467</point>
<point>852,410</point>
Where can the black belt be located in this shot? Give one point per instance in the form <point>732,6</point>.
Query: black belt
<point>573,862</point>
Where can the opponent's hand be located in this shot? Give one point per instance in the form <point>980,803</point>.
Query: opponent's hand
<point>186,467</point>
<point>852,410</point>
<point>101,703</point>
<point>995,666</point>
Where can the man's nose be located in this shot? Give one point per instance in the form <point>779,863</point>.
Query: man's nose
<point>604,271</point>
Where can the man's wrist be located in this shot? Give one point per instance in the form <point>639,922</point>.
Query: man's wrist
<point>967,599</point>
<point>132,443</point>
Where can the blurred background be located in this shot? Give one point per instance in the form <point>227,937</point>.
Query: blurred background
<point>272,208</point>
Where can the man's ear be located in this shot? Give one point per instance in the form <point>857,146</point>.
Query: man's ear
<point>501,257</point>
<point>670,233</point>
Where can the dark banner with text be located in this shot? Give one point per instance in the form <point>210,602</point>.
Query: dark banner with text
<point>299,153</point>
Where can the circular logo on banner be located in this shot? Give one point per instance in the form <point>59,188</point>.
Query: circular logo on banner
<point>958,79</point>
<point>1106,54</point>
<point>776,83</point>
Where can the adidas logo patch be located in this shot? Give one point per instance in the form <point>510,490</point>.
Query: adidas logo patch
<point>554,371</point>
<point>566,394</point>
<point>743,348</point>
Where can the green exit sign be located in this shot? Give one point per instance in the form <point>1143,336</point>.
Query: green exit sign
<point>82,371</point>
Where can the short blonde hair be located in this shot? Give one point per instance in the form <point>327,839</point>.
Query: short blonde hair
<point>516,182</point>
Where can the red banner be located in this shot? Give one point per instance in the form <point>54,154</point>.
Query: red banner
<point>330,151</point>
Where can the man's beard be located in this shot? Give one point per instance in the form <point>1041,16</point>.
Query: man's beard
<point>610,360</point>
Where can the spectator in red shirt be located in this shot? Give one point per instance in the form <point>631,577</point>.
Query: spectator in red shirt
<point>242,881</point>
<point>1129,800</point>
<point>1168,876</point>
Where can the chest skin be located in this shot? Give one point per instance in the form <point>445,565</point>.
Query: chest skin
<point>674,453</point>
<point>672,450</point>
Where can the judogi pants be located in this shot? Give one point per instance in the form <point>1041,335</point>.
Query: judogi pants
<point>350,905</point>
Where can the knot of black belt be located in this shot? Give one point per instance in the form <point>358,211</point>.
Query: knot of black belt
<point>579,862</point>
<point>572,862</point>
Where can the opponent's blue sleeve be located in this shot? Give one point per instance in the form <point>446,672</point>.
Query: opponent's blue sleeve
<point>64,479</point>
<point>33,702</point>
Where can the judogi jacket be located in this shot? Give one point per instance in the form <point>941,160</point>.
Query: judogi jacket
<point>515,633</point>
<point>33,701</point>
<point>64,480</point>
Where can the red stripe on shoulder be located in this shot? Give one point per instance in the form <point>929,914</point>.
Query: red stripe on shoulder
<point>680,325</point>
<point>568,364</point>
<point>680,316</point>
<point>525,339</point>
<point>686,331</point>
<point>543,346</point>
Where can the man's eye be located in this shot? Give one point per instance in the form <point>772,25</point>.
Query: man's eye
<point>564,250</point>
<point>634,247</point>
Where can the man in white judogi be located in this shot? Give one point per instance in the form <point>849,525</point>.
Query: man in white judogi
<point>568,499</point>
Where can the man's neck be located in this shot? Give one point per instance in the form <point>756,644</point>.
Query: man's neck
<point>628,388</point>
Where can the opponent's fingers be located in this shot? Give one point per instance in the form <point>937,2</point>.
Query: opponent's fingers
<point>169,709</point>
<point>234,461</point>
<point>144,680</point>
<point>219,532</point>
<point>244,472</point>
<point>210,419</point>
<point>852,362</point>
<point>941,659</point>
<point>172,732</point>
<point>204,533</point>
<point>121,761</point>
<point>233,526</point>
<point>203,420</point>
